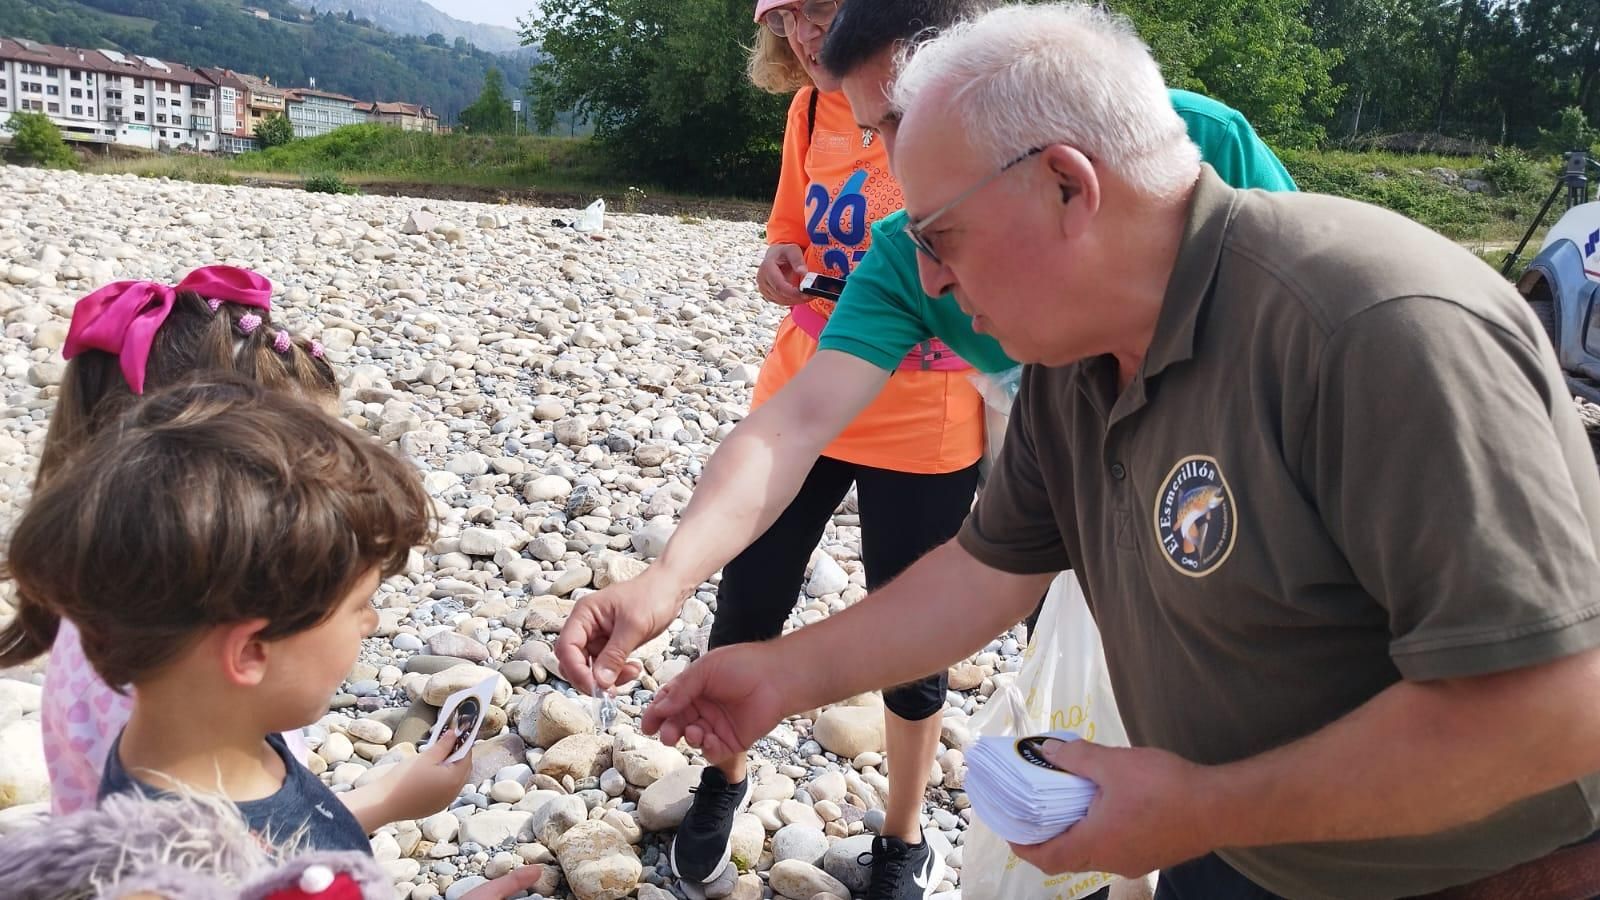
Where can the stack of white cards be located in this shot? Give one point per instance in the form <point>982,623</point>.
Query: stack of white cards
<point>1019,794</point>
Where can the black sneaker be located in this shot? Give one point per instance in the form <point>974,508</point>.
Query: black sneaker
<point>705,839</point>
<point>901,871</point>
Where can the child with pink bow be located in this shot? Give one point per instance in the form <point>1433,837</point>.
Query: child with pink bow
<point>127,338</point>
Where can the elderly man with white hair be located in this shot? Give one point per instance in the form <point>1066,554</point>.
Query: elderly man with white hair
<point>1314,464</point>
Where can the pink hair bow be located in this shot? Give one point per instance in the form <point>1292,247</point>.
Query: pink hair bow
<point>122,318</point>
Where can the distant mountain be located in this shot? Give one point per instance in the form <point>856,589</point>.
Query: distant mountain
<point>290,45</point>
<point>418,18</point>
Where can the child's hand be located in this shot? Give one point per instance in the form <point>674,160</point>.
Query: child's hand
<point>525,878</point>
<point>425,783</point>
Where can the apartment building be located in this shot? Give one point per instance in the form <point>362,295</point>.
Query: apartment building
<point>313,112</point>
<point>263,99</point>
<point>104,96</point>
<point>61,83</point>
<point>109,97</point>
<point>405,116</point>
<point>235,134</point>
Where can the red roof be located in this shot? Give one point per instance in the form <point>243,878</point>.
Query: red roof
<point>259,85</point>
<point>225,78</point>
<point>108,62</point>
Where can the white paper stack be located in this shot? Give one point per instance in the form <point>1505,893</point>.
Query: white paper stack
<point>1017,792</point>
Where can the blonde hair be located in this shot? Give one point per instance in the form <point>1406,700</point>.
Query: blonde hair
<point>1030,76</point>
<point>773,66</point>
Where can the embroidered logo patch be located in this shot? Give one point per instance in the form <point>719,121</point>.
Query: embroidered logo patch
<point>1195,516</point>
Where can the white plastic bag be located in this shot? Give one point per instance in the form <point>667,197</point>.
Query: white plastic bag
<point>593,218</point>
<point>1063,684</point>
<point>998,390</point>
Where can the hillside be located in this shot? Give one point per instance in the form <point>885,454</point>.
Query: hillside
<point>291,48</point>
<point>415,17</point>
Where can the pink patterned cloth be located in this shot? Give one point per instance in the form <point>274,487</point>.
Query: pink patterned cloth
<point>80,717</point>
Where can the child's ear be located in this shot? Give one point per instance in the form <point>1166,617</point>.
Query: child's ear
<point>244,653</point>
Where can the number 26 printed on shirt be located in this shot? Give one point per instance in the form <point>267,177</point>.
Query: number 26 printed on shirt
<point>840,219</point>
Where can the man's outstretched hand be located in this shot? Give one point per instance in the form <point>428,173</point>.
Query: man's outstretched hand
<point>725,702</point>
<point>606,626</point>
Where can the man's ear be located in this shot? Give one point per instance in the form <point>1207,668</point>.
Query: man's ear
<point>1076,184</point>
<point>243,653</point>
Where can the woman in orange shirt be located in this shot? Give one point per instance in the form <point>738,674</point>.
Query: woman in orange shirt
<point>912,455</point>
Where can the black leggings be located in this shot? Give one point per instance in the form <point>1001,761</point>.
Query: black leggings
<point>903,516</point>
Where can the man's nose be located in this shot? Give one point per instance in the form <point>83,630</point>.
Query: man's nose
<point>936,277</point>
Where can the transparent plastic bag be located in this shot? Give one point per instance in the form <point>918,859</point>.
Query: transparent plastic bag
<point>999,390</point>
<point>593,218</point>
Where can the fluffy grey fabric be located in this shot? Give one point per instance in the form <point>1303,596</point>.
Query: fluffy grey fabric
<point>189,848</point>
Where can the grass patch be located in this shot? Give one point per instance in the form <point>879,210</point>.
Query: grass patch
<point>565,170</point>
<point>1415,186</point>
<point>371,151</point>
<point>375,154</point>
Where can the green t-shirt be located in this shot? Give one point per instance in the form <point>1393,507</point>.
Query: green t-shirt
<point>883,312</point>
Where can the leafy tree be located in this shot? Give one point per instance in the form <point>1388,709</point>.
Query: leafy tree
<point>1572,132</point>
<point>1255,55</point>
<point>491,112</point>
<point>274,131</point>
<point>436,40</point>
<point>664,85</point>
<point>35,139</point>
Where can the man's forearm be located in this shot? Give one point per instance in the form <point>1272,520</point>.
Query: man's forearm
<point>748,482</point>
<point>1416,759</point>
<point>939,612</point>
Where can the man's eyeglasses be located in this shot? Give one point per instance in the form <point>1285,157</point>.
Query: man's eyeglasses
<point>917,230</point>
<point>818,12</point>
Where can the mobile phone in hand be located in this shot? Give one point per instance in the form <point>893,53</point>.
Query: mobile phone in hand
<point>818,285</point>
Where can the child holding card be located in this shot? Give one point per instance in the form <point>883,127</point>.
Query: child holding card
<point>219,547</point>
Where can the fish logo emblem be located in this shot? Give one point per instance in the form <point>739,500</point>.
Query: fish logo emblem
<point>1195,516</point>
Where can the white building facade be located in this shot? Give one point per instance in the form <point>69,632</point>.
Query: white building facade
<point>104,96</point>
<point>314,112</point>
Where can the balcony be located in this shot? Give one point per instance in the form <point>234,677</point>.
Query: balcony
<point>200,93</point>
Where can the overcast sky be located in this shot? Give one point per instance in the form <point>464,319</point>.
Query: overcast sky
<point>494,12</point>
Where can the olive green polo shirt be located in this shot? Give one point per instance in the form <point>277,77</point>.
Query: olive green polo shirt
<point>1348,458</point>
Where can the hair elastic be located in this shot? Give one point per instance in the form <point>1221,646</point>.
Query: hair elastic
<point>249,322</point>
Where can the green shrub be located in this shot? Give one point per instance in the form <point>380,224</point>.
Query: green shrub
<point>274,131</point>
<point>1512,171</point>
<point>35,139</point>
<point>327,183</point>
<point>1572,132</point>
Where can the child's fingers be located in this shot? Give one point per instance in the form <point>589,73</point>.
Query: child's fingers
<point>521,879</point>
<point>441,748</point>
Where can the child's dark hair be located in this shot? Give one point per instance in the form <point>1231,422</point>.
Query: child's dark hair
<point>211,503</point>
<point>194,340</point>
<point>861,31</point>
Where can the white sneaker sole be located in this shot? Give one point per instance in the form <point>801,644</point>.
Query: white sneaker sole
<point>727,851</point>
